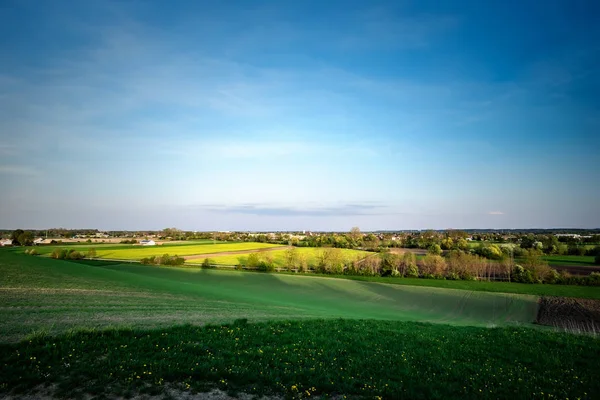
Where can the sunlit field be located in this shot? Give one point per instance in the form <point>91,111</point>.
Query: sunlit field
<point>117,329</point>
<point>311,255</point>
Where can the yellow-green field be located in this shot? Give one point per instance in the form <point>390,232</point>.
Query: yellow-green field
<point>311,254</point>
<point>137,253</point>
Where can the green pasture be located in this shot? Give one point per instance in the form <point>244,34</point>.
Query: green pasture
<point>556,260</point>
<point>332,358</point>
<point>42,293</point>
<point>279,256</point>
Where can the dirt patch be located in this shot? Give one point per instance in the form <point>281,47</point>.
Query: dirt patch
<point>228,253</point>
<point>400,250</point>
<point>576,270</point>
<point>574,315</point>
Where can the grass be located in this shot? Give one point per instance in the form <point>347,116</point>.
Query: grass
<point>556,260</point>
<point>585,292</point>
<point>135,341</point>
<point>41,293</point>
<point>311,254</point>
<point>303,359</point>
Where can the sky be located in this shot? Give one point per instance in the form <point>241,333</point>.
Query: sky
<point>299,115</point>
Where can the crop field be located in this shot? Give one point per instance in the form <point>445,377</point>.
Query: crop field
<point>274,334</point>
<point>311,254</point>
<point>129,252</point>
<point>570,260</point>
<point>42,293</point>
<point>140,252</point>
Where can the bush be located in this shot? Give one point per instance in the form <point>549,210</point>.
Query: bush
<point>434,249</point>
<point>433,265</point>
<point>521,275</point>
<point>412,271</point>
<point>207,263</point>
<point>75,255</point>
<point>597,260</point>
<point>149,260</point>
<point>91,253</point>
<point>64,254</point>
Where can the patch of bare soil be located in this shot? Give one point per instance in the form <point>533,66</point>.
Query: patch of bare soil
<point>577,270</point>
<point>401,250</point>
<point>574,315</point>
<point>228,253</point>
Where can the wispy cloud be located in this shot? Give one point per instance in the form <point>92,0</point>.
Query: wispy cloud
<point>18,170</point>
<point>355,209</point>
<point>495,213</point>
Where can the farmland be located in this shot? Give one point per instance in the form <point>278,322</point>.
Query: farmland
<point>556,260</point>
<point>311,255</point>
<point>129,252</point>
<point>117,329</point>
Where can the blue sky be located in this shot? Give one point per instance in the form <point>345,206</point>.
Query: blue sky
<point>316,115</point>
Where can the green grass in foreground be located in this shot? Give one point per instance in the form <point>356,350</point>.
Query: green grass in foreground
<point>304,359</point>
<point>42,293</point>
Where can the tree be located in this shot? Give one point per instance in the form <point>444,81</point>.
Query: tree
<point>91,253</point>
<point>463,244</point>
<point>15,236</point>
<point>22,238</point>
<point>408,263</point>
<point>433,265</point>
<point>355,234</point>
<point>447,243</point>
<point>434,249</point>
<point>291,258</point>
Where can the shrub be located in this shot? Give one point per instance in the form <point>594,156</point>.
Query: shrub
<point>593,279</point>
<point>149,260</point>
<point>412,271</point>
<point>91,253</point>
<point>409,260</point>
<point>597,260</point>
<point>207,263</point>
<point>434,249</point>
<point>522,275</point>
<point>253,261</point>
<point>433,265</point>
<point>75,255</point>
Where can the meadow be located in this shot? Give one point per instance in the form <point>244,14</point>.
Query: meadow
<point>311,255</point>
<point>557,260</point>
<point>117,329</point>
<point>53,295</point>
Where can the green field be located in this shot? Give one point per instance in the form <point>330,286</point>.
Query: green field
<point>393,341</point>
<point>311,254</point>
<point>581,261</point>
<point>42,293</point>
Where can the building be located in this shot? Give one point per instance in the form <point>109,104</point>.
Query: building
<point>38,241</point>
<point>147,242</point>
<point>6,242</point>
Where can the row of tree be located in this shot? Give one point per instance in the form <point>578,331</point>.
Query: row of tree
<point>454,265</point>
